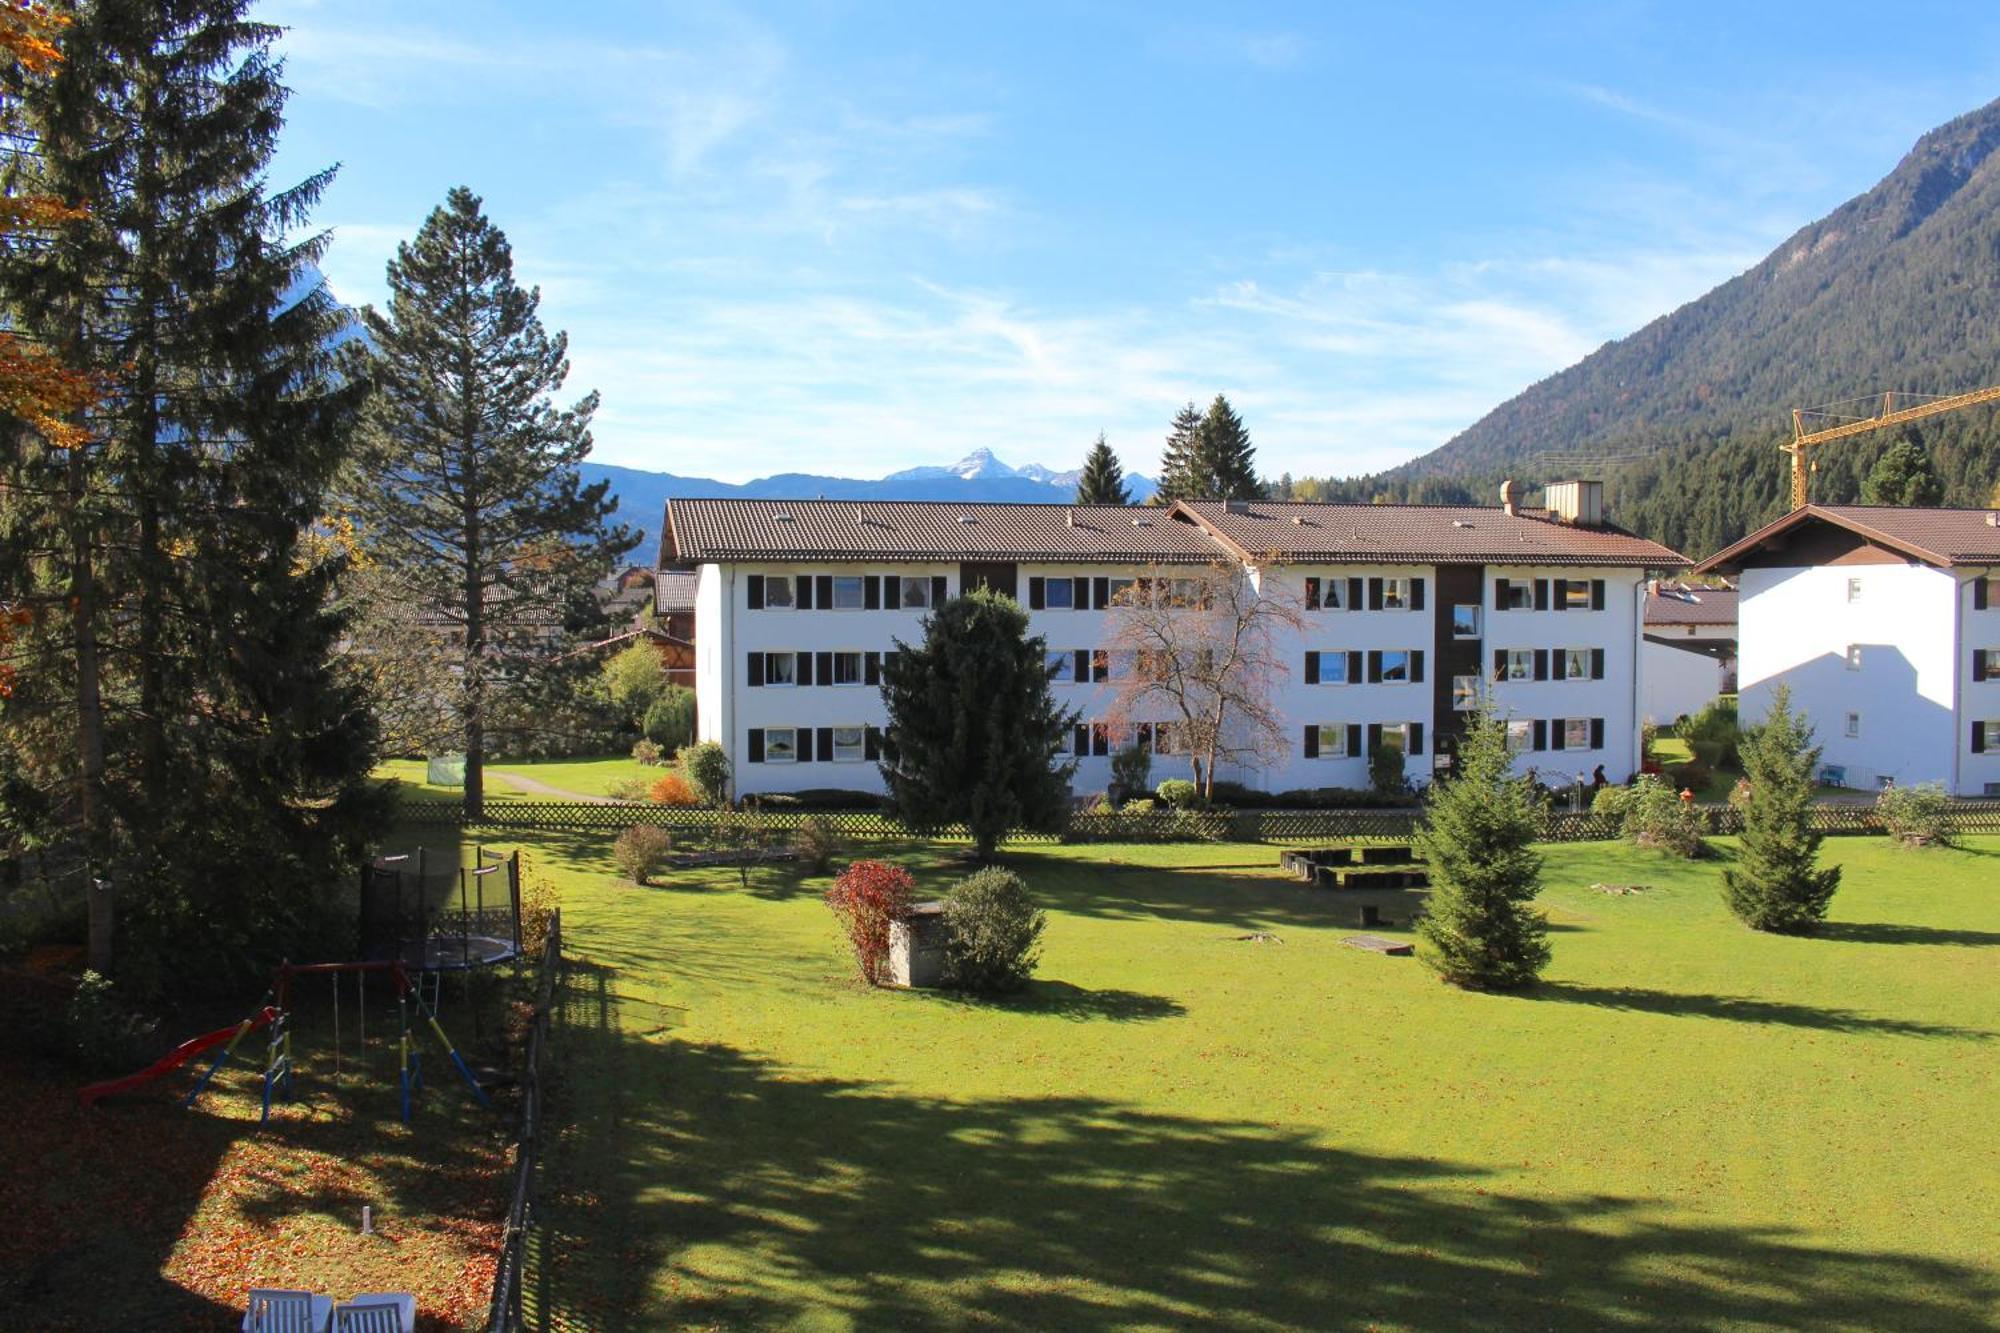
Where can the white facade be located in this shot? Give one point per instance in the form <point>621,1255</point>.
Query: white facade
<point>1677,682</point>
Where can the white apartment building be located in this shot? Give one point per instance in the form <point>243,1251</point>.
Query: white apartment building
<point>1688,654</point>
<point>1411,613</point>
<point>1885,624</point>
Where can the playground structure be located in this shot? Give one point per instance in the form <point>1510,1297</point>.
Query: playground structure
<point>408,914</point>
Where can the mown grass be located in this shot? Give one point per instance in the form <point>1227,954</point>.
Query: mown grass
<point>1687,1125</point>
<point>585,777</point>
<point>407,777</point>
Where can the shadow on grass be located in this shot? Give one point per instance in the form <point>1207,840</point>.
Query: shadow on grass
<point>1744,1009</point>
<point>1885,932</point>
<point>695,1184</point>
<point>1060,999</point>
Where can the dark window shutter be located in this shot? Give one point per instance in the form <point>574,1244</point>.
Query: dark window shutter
<point>1100,593</point>
<point>1374,737</point>
<point>871,743</point>
<point>1375,594</point>
<point>756,591</point>
<point>889,660</point>
<point>1597,594</point>
<point>756,745</point>
<point>1541,735</point>
<point>1416,594</point>
<point>1541,594</point>
<point>1100,740</point>
<point>1144,735</point>
<point>824,591</point>
<point>1374,668</point>
<point>1558,594</point>
<point>1312,668</point>
<point>1541,664</point>
<point>1082,666</point>
<point>1500,594</point>
<point>1080,742</point>
<point>825,668</point>
<point>937,590</point>
<point>1354,667</point>
<point>805,669</point>
<point>1354,593</point>
<point>1597,664</point>
<point>1979,664</point>
<point>871,593</point>
<point>803,587</point>
<point>1499,664</point>
<point>1037,599</point>
<point>1556,740</point>
<point>1079,595</point>
<point>1597,733</point>
<point>1979,738</point>
<point>1417,667</point>
<point>1979,594</point>
<point>1312,742</point>
<point>1312,594</point>
<point>826,745</point>
<point>1353,739</point>
<point>871,666</point>
<point>1416,738</point>
<point>754,672</point>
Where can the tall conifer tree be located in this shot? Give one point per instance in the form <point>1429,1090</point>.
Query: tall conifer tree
<point>1180,477</point>
<point>1103,480</point>
<point>468,486</point>
<point>1226,461</point>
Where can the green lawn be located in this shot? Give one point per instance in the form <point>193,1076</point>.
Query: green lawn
<point>407,775</point>
<point>590,777</point>
<point>1687,1125</point>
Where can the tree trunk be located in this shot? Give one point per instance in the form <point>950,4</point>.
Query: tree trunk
<point>89,719</point>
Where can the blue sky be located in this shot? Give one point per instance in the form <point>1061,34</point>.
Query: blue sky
<point>851,238</point>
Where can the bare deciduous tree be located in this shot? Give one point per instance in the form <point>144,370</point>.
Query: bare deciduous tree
<point>1198,649</point>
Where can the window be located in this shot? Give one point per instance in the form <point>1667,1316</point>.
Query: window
<point>846,669</point>
<point>1992,736</point>
<point>1576,663</point>
<point>1166,738</point>
<point>1987,595</point>
<point>781,669</point>
<point>1118,592</point>
<point>1854,657</point>
<point>1520,664</point>
<point>1059,595</point>
<point>1854,724</point>
<point>1993,663</point>
<point>1332,740</point>
<point>1333,669</point>
<point>1395,594</point>
<point>915,595</point>
<point>1100,664</point>
<point>849,744</point>
<point>1520,737</point>
<point>1395,736</point>
<point>1515,596</point>
<point>777,593</point>
<point>1992,789</point>
<point>1061,662</point>
<point>1465,620</point>
<point>847,592</point>
<point>1464,693</point>
<point>1118,665</point>
<point>1395,667</point>
<point>1576,733</point>
<point>1333,594</point>
<point>781,745</point>
<point>1854,590</point>
<point>1184,592</point>
<point>1575,594</point>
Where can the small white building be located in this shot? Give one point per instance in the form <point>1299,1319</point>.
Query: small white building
<point>1884,623</point>
<point>1412,613</point>
<point>1688,655</point>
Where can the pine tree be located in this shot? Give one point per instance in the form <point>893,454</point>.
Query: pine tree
<point>1773,885</point>
<point>467,487</point>
<point>1103,480</point>
<point>1903,475</point>
<point>1226,461</point>
<point>975,735</point>
<point>238,781</point>
<point>1477,840</point>
<point>1180,478</point>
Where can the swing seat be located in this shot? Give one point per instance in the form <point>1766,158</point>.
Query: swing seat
<point>274,1311</point>
<point>377,1312</point>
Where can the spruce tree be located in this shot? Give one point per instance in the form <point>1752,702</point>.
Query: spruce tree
<point>1225,460</point>
<point>1774,884</point>
<point>1903,475</point>
<point>1103,480</point>
<point>975,736</point>
<point>1477,840</point>
<point>1180,477</point>
<point>237,782</point>
<point>467,486</point>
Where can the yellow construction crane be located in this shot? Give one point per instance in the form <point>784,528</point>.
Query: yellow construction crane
<point>1888,414</point>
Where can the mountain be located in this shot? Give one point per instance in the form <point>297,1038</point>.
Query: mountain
<point>1898,289</point>
<point>979,476</point>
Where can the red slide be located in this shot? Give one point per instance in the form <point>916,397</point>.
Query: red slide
<point>175,1058</point>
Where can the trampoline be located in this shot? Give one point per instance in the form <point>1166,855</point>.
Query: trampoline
<point>435,918</point>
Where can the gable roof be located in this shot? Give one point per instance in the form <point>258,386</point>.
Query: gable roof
<point>699,531</point>
<point>1303,533</point>
<point>1941,537</point>
<point>1680,604</point>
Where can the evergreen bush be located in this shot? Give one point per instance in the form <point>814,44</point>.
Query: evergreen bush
<point>1385,770</point>
<point>670,719</point>
<point>993,932</point>
<point>1178,793</point>
<point>1774,884</point>
<point>1131,771</point>
<point>706,767</point>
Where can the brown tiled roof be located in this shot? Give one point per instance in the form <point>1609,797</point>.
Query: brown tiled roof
<point>1368,534</point>
<point>673,591</point>
<point>699,531</point>
<point>1942,537</point>
<point>1684,604</point>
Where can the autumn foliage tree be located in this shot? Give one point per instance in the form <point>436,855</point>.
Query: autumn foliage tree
<point>868,898</point>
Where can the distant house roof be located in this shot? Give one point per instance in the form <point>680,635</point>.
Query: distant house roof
<point>1684,604</point>
<point>1940,537</point>
<point>648,634</point>
<point>1301,533</point>
<point>673,591</point>
<point>705,531</point>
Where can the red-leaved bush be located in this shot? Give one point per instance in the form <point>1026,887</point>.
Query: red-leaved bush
<point>867,897</point>
<point>673,789</point>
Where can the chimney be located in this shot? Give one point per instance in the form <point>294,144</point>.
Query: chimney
<point>1993,518</point>
<point>1507,505</point>
<point>1069,517</point>
<point>1577,502</point>
<point>1235,506</point>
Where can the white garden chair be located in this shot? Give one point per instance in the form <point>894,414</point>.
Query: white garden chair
<point>377,1312</point>
<point>274,1311</point>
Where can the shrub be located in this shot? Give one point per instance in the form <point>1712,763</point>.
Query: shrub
<point>672,789</point>
<point>627,789</point>
<point>1142,806</point>
<point>706,767</point>
<point>102,1032</point>
<point>1612,802</point>
<point>992,932</point>
<point>817,842</point>
<point>1100,804</point>
<point>1131,770</point>
<point>868,898</point>
<point>640,851</point>
<point>1775,883</point>
<point>1178,793</point>
<point>647,751</point>
<point>1918,816</point>
<point>1657,817</point>
<point>635,679</point>
<point>1713,734</point>
<point>1385,770</point>
<point>670,720</point>
<point>1694,776</point>
<point>1236,794</point>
